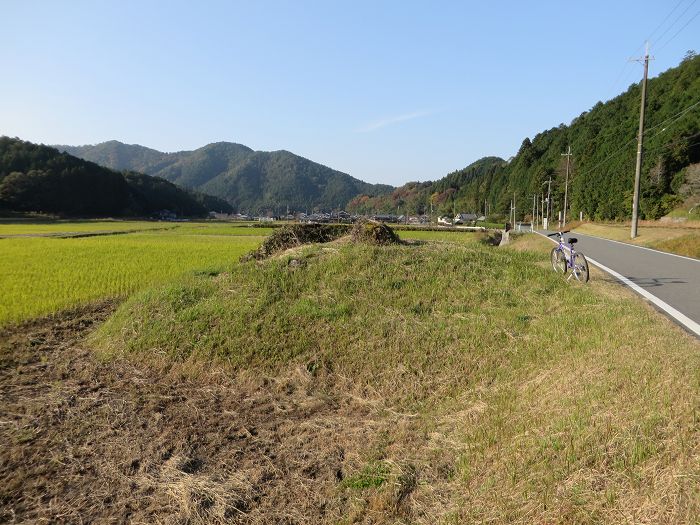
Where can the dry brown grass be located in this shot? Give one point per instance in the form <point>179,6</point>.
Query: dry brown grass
<point>647,234</point>
<point>680,238</point>
<point>688,245</point>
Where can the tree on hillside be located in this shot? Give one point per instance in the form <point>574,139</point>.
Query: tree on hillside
<point>41,179</point>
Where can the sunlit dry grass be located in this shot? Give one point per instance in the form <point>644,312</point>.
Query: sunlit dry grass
<point>681,239</point>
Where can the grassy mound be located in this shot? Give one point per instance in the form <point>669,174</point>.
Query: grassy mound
<point>493,390</point>
<point>295,235</point>
<point>354,309</point>
<point>376,233</point>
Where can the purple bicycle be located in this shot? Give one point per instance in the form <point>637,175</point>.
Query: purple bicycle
<point>563,261</point>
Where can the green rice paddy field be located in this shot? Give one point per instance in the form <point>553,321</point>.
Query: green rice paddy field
<point>43,273</point>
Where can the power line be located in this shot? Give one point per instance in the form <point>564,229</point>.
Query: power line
<point>679,31</point>
<point>622,148</point>
<point>669,144</point>
<point>677,19</point>
<point>624,73</point>
<point>613,154</point>
<point>616,84</point>
<point>679,115</point>
<point>663,21</point>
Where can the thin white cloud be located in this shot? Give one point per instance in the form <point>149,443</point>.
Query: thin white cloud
<point>377,124</point>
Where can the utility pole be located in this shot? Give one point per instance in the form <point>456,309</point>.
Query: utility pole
<point>549,200</point>
<point>566,184</point>
<point>546,202</point>
<point>640,145</point>
<point>542,208</point>
<point>510,215</point>
<point>532,221</point>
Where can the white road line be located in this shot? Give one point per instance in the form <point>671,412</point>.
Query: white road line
<point>670,310</point>
<point>636,246</point>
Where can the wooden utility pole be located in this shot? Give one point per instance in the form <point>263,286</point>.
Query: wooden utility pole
<point>640,145</point>
<point>512,213</point>
<point>542,209</point>
<point>548,200</point>
<point>566,184</point>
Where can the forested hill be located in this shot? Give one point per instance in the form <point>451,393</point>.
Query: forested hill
<point>417,197</point>
<point>603,145</point>
<point>37,178</point>
<point>251,181</point>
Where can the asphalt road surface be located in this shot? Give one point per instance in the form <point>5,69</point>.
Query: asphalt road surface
<point>670,282</point>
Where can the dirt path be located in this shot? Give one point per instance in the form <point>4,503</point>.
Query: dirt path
<point>76,235</point>
<point>91,441</point>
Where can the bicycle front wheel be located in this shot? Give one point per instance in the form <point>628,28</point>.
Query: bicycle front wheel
<point>558,260</point>
<point>581,268</point>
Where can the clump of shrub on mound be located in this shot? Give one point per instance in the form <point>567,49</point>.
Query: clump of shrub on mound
<point>492,238</point>
<point>296,235</point>
<point>376,233</point>
<point>369,232</point>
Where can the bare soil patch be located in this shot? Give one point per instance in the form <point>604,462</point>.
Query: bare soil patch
<point>77,235</point>
<point>92,441</point>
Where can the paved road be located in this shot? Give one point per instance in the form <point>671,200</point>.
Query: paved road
<point>672,279</point>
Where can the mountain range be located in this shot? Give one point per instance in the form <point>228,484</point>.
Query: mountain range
<point>251,181</point>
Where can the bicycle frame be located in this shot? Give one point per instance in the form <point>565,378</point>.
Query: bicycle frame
<point>570,257</point>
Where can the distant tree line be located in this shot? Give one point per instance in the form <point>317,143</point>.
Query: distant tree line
<point>37,178</point>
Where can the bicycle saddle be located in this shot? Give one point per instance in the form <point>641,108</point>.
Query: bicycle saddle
<point>573,240</point>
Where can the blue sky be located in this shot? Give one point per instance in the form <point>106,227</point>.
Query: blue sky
<point>386,91</point>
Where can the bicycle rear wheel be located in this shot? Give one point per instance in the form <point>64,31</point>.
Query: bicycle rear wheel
<point>558,260</point>
<point>581,268</point>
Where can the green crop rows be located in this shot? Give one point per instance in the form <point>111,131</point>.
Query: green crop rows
<point>45,275</point>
